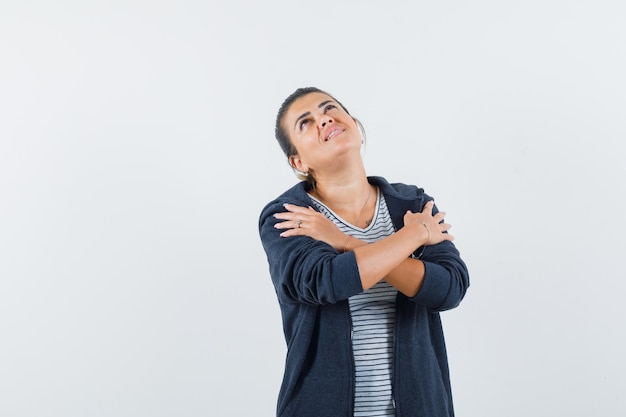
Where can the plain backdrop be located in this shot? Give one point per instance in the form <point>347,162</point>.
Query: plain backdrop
<point>137,151</point>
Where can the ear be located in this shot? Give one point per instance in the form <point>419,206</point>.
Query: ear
<point>299,164</point>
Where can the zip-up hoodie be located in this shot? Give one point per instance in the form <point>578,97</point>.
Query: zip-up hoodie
<point>313,282</point>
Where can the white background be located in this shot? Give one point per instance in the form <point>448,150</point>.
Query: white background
<point>137,150</point>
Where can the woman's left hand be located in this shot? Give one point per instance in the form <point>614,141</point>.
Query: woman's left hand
<point>301,221</point>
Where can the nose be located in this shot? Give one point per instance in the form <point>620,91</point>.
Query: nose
<point>325,120</point>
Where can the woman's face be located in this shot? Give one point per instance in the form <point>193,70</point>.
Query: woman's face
<point>321,131</point>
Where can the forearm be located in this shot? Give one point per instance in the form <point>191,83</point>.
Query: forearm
<point>407,277</point>
<point>387,258</point>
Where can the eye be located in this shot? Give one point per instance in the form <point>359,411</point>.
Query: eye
<point>329,107</point>
<point>303,123</point>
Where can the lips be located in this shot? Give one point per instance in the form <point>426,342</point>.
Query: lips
<point>332,133</point>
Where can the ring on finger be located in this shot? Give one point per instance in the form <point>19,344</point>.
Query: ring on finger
<point>299,223</point>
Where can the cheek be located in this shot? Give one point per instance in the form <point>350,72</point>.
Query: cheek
<point>305,139</point>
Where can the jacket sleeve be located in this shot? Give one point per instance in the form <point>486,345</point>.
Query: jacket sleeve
<point>446,278</point>
<point>303,269</point>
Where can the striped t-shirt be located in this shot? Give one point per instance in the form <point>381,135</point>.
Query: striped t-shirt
<point>373,318</point>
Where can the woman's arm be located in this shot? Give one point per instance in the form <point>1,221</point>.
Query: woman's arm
<point>387,258</point>
<point>407,277</point>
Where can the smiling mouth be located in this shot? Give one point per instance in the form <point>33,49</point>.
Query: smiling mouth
<point>332,134</point>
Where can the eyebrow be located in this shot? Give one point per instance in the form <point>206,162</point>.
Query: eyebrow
<point>303,115</point>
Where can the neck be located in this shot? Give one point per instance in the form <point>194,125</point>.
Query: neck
<point>350,196</point>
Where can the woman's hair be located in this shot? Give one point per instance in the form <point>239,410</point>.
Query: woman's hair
<point>281,133</point>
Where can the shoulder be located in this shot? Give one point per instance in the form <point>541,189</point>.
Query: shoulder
<point>295,195</point>
<point>401,197</point>
<point>398,190</point>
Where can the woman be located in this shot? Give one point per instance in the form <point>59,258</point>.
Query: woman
<point>361,269</point>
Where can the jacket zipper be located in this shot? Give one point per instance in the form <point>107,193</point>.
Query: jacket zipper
<point>352,371</point>
<point>395,357</point>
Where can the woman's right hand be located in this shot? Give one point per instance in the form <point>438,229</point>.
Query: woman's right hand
<point>305,221</point>
<point>431,229</point>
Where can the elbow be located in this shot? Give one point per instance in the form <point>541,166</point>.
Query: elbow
<point>459,283</point>
<point>444,287</point>
<point>453,298</point>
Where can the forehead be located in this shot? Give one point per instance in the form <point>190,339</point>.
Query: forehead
<point>307,103</point>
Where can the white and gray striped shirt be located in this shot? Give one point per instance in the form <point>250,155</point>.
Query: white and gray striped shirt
<point>373,318</point>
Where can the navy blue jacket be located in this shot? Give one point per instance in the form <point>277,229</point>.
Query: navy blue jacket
<point>313,282</point>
